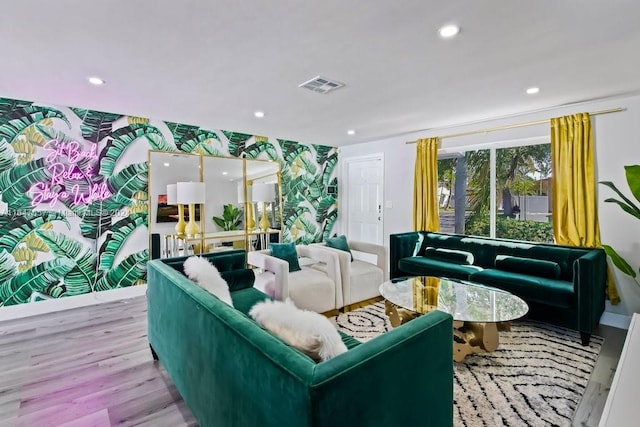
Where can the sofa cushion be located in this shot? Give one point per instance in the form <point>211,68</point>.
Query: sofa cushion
<point>553,292</point>
<point>421,266</point>
<point>531,266</point>
<point>207,276</point>
<point>365,280</point>
<point>340,243</point>
<point>449,255</point>
<point>309,332</point>
<point>286,252</point>
<point>312,290</point>
<point>244,299</point>
<point>348,340</point>
<point>238,279</point>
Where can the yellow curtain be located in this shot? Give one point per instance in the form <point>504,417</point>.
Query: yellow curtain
<point>575,215</point>
<point>425,186</point>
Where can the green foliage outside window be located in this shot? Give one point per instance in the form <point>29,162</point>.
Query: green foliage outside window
<point>508,228</point>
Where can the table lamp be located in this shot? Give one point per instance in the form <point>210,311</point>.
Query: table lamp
<point>172,199</point>
<point>191,193</point>
<point>248,205</point>
<point>265,193</point>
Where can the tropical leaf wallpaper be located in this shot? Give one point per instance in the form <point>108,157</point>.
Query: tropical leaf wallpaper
<point>73,194</point>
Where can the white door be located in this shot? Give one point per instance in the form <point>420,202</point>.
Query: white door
<point>365,180</point>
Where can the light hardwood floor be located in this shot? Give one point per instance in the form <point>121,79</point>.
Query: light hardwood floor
<point>92,366</point>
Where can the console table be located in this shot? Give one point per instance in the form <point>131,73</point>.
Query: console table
<point>181,244</point>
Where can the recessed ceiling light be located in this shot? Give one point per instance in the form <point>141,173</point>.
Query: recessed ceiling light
<point>533,90</point>
<point>351,132</point>
<point>448,31</point>
<point>96,81</point>
<point>224,173</point>
<point>166,164</point>
<point>259,114</point>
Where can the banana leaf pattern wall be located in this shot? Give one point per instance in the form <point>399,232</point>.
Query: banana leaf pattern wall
<point>73,186</point>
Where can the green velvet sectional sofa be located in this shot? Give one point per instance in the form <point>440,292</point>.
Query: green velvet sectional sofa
<point>231,372</point>
<point>562,285</point>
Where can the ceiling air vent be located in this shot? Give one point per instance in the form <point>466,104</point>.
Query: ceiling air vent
<point>321,84</point>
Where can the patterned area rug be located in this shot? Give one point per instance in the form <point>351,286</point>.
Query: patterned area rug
<point>536,377</point>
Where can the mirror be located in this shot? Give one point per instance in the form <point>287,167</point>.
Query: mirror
<point>165,169</point>
<point>219,193</point>
<point>263,177</point>
<point>224,206</point>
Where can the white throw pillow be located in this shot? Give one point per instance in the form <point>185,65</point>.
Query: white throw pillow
<point>207,276</point>
<point>309,332</point>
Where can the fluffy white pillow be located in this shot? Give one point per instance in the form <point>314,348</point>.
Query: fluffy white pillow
<point>208,277</point>
<point>309,332</point>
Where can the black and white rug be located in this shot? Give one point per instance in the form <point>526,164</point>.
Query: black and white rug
<point>535,378</point>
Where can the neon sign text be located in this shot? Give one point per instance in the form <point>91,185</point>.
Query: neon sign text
<point>76,167</point>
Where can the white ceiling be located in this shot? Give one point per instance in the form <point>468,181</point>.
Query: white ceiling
<point>213,63</point>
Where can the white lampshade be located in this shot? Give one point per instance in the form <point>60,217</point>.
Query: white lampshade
<point>172,191</point>
<point>241,192</point>
<point>190,192</point>
<point>264,192</point>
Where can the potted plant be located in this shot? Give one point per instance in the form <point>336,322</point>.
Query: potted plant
<point>632,173</point>
<point>231,218</point>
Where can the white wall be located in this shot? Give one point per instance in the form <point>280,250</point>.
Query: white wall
<point>617,142</point>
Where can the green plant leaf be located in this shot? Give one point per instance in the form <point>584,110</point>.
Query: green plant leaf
<point>19,288</point>
<point>231,217</point>
<point>619,262</point>
<point>628,209</point>
<point>322,153</point>
<point>254,150</point>
<point>180,131</point>
<point>328,168</point>
<point>16,182</point>
<point>219,222</point>
<point>237,142</point>
<point>158,142</point>
<point>82,276</point>
<point>121,231</point>
<point>13,229</point>
<point>127,273</point>
<point>96,125</point>
<point>8,266</point>
<point>20,118</point>
<point>633,179</point>
<point>7,155</point>
<point>122,139</point>
<point>7,106</point>
<point>129,180</point>
<point>331,218</point>
<point>628,206</point>
<point>199,140</point>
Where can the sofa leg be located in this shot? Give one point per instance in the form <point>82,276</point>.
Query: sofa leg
<point>585,337</point>
<point>153,353</point>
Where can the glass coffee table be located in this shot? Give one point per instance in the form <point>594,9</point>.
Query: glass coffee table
<point>478,311</point>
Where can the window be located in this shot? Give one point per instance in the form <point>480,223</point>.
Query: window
<point>498,192</point>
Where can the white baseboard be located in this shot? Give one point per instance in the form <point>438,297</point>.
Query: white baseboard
<point>52,305</point>
<point>616,320</point>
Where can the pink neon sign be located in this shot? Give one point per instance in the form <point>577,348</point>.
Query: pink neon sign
<point>54,189</point>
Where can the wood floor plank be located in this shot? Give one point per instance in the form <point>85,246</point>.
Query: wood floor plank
<point>96,419</point>
<point>91,366</point>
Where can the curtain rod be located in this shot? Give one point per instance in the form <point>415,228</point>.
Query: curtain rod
<point>517,125</point>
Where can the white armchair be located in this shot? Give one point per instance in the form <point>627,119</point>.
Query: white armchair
<point>361,279</point>
<point>315,289</point>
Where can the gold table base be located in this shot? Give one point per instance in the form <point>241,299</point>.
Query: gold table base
<point>468,337</point>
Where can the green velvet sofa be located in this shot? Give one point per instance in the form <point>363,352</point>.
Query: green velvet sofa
<point>231,372</point>
<point>562,285</point>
